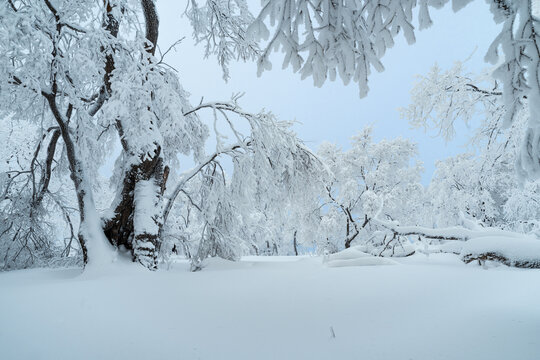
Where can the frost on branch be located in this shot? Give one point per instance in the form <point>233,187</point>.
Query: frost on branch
<point>440,98</point>
<point>519,71</point>
<point>324,39</point>
<point>482,185</point>
<point>221,25</point>
<point>37,223</point>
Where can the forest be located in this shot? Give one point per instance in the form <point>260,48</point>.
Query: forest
<point>201,188</point>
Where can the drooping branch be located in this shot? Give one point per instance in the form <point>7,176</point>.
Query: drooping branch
<point>190,174</point>
<point>222,105</point>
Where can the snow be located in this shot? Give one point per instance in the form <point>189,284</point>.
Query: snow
<point>517,250</point>
<point>453,232</point>
<point>101,254</point>
<point>428,308</point>
<point>361,261</point>
<point>397,249</point>
<point>354,256</point>
<point>451,247</point>
<point>146,192</point>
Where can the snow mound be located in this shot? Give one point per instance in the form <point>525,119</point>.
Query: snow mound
<point>355,257</point>
<point>522,252</point>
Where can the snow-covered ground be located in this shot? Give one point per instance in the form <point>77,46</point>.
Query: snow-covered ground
<point>274,308</point>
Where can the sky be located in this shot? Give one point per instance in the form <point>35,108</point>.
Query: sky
<point>335,112</point>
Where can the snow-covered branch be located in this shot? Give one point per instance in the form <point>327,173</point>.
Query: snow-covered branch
<point>450,233</point>
<point>185,177</point>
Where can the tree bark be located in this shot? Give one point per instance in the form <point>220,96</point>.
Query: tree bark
<point>122,228</point>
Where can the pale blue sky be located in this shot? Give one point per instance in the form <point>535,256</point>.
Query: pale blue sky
<point>335,112</point>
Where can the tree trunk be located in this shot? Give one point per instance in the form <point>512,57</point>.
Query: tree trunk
<point>94,246</point>
<point>91,239</point>
<point>347,239</point>
<point>295,244</point>
<point>138,209</point>
<point>137,216</point>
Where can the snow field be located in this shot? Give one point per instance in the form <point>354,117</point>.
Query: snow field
<point>274,308</point>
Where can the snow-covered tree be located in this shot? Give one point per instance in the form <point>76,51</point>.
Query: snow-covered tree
<point>481,184</point>
<point>45,45</point>
<point>125,92</point>
<point>36,217</point>
<point>274,177</point>
<point>458,189</point>
<point>371,180</point>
